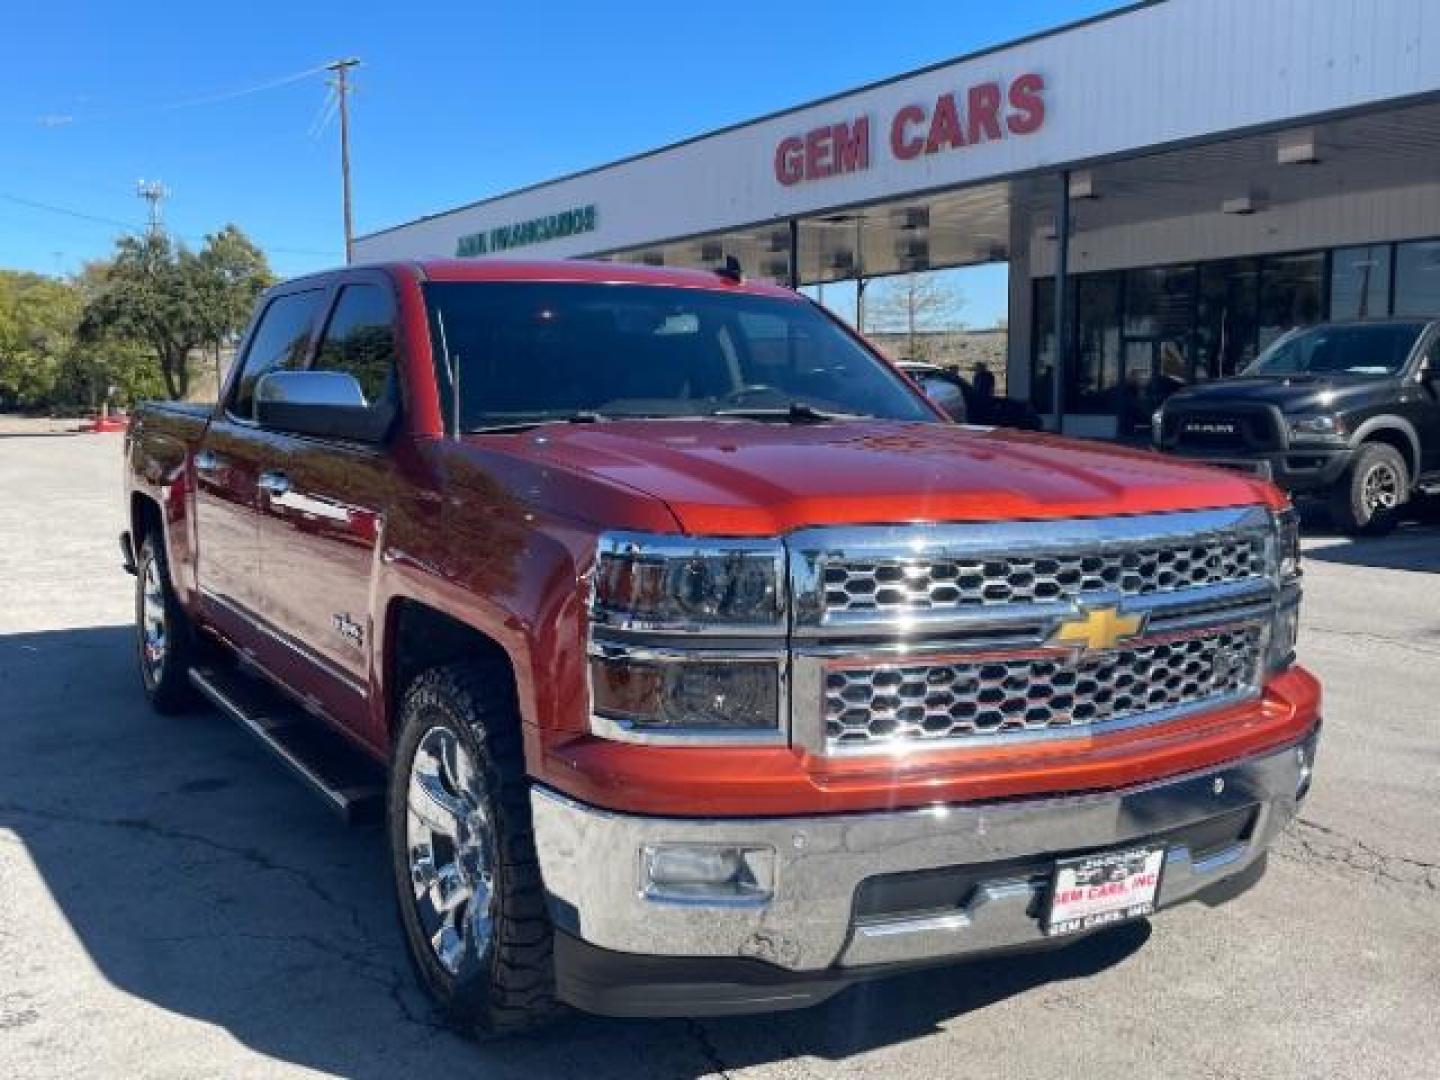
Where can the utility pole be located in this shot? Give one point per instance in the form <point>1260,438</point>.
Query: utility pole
<point>155,193</point>
<point>342,92</point>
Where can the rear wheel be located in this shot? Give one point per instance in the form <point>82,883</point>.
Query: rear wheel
<point>164,637</point>
<point>1368,499</point>
<point>466,875</point>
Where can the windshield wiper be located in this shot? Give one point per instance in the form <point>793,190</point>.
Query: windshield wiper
<point>797,412</point>
<point>581,416</point>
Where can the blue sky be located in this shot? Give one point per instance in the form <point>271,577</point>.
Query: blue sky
<point>455,101</point>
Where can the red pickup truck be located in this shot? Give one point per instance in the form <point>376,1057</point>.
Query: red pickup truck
<point>695,662</point>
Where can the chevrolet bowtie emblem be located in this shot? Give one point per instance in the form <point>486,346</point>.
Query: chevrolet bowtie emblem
<point>1098,629</point>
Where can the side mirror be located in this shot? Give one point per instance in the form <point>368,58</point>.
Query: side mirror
<point>945,394</point>
<point>326,404</point>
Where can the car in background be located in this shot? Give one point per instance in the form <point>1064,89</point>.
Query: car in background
<point>964,403</point>
<point>1345,412</point>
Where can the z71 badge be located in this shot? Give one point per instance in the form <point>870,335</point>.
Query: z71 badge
<point>348,629</point>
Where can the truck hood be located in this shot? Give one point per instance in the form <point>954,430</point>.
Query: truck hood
<point>1292,394</point>
<point>746,478</point>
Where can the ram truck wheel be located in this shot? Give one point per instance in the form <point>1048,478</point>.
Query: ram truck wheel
<point>164,638</point>
<point>468,882</point>
<point>1367,500</point>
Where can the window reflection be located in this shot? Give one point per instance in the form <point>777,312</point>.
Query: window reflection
<point>1417,278</point>
<point>1360,282</point>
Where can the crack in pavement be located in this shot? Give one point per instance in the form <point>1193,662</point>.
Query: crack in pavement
<point>708,1051</point>
<point>387,976</point>
<point>1327,845</point>
<point>1396,641</point>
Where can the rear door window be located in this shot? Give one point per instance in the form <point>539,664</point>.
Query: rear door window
<point>360,341</point>
<point>280,342</point>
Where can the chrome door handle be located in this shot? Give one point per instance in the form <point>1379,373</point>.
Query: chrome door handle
<point>274,484</point>
<point>207,461</point>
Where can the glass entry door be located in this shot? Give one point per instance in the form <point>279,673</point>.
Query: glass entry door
<point>1158,332</point>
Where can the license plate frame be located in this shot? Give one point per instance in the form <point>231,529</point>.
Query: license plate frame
<point>1088,892</point>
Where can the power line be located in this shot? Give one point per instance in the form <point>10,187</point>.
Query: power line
<point>129,229</point>
<point>218,97</point>
<point>35,204</point>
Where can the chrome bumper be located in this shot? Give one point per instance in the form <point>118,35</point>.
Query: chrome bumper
<point>591,863</point>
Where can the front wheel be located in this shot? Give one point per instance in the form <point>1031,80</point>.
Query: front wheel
<point>1367,500</point>
<point>468,882</point>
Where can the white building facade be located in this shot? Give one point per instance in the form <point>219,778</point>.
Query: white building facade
<point>1219,170</point>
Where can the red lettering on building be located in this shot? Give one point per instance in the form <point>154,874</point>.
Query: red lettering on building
<point>903,144</point>
<point>852,146</point>
<point>817,154</point>
<point>824,152</point>
<point>982,113</point>
<point>1027,104</point>
<point>790,161</point>
<point>944,126</point>
<point>992,111</point>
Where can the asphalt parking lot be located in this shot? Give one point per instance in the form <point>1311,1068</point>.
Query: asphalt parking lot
<point>173,905</point>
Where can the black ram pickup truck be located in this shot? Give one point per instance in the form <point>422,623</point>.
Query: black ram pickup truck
<point>1344,412</point>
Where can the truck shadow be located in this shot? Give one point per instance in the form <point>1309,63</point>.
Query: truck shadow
<point>197,877</point>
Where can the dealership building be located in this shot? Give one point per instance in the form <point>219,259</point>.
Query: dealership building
<point>1196,175</point>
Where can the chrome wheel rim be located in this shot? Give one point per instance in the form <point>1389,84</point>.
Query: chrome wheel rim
<point>451,852</point>
<point>153,636</point>
<point>1381,488</point>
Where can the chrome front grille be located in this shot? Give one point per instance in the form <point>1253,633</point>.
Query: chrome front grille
<point>956,635</point>
<point>903,584</point>
<point>976,698</point>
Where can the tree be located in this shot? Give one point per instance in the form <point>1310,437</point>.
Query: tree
<point>38,316</point>
<point>176,301</point>
<point>915,303</point>
<point>233,273</point>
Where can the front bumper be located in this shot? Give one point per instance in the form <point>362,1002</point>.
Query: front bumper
<point>856,895</point>
<point>1301,469</point>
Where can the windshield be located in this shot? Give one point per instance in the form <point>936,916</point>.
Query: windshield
<point>1360,349</point>
<point>539,352</point>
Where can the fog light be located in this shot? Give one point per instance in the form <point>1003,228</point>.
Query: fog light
<point>1305,758</point>
<point>707,873</point>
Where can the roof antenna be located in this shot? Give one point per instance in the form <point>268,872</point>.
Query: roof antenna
<point>731,270</point>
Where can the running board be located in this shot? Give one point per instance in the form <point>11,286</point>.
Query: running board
<point>346,780</point>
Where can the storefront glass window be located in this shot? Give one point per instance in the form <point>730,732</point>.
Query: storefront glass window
<point>1158,325</point>
<point>1042,373</point>
<point>1417,278</point>
<point>1093,380</point>
<point>1292,293</point>
<point>1360,282</point>
<point>1226,317</point>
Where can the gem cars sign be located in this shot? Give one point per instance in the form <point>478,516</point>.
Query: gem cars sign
<point>985,112</point>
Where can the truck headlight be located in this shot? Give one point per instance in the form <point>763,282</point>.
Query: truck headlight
<point>1287,545</point>
<point>687,641</point>
<point>1285,628</point>
<point>678,583</point>
<point>640,696</point>
<point>1317,425</point>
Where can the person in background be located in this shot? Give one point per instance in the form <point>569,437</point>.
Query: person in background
<point>984,381</point>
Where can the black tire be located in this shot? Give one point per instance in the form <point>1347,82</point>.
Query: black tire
<point>1355,506</point>
<point>506,985</point>
<point>164,662</point>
